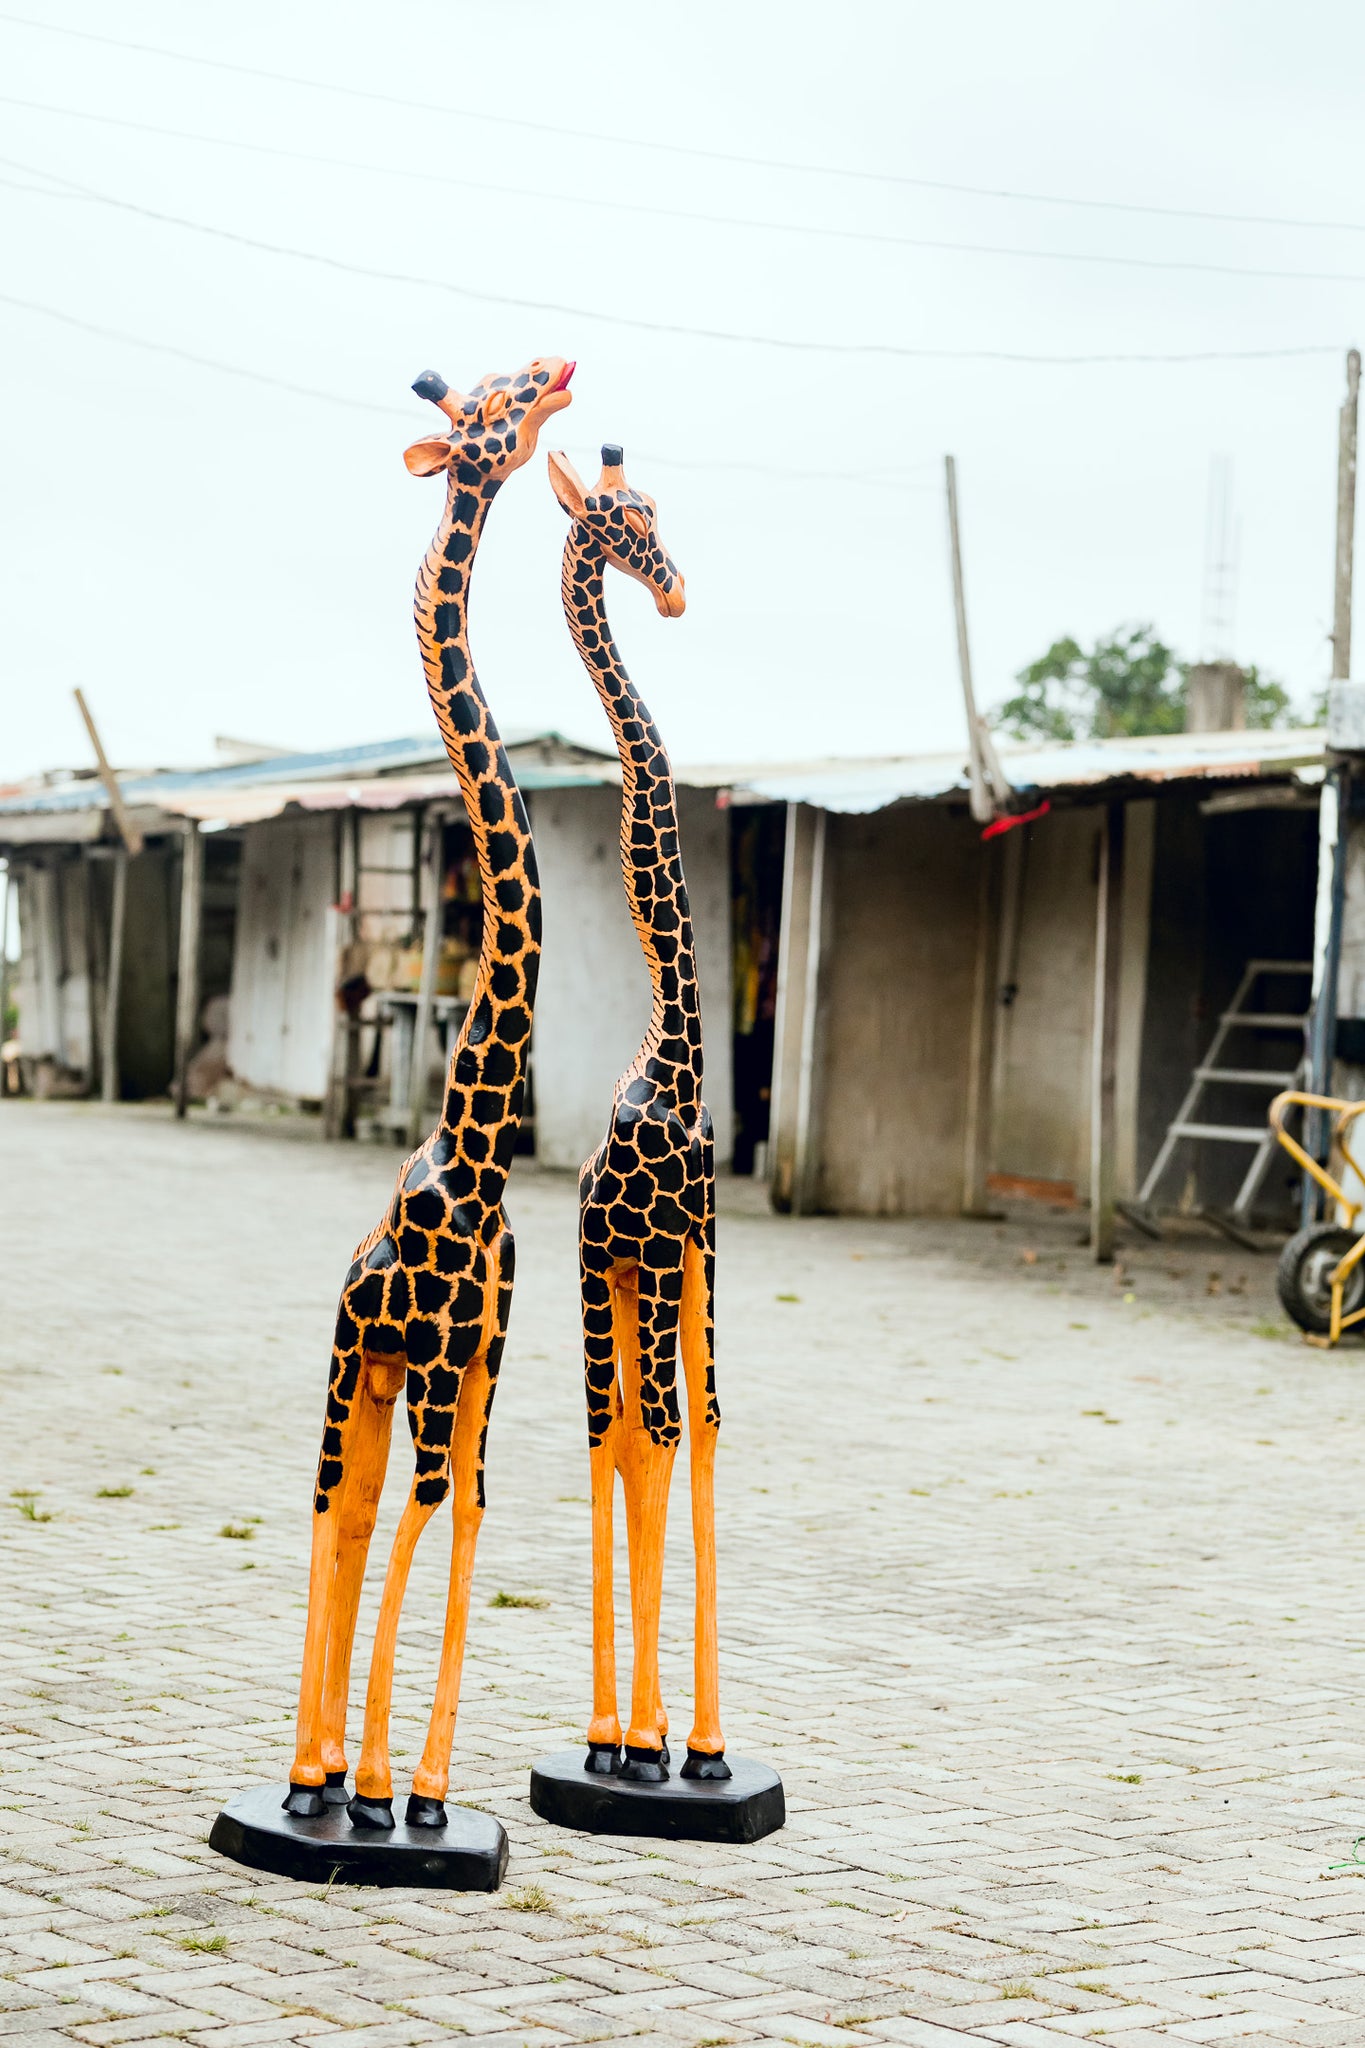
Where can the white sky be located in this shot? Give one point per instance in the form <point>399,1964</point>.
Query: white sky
<point>204,554</point>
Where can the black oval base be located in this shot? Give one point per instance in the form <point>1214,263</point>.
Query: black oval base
<point>741,1808</point>
<point>469,1854</point>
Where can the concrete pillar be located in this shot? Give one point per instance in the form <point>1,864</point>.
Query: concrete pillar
<point>1215,697</point>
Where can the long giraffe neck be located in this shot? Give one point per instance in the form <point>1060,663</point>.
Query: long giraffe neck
<point>485,1086</point>
<point>651,864</point>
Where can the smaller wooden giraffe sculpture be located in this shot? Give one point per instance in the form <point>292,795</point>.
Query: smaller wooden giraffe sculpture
<point>647,1197</point>
<point>424,1306</point>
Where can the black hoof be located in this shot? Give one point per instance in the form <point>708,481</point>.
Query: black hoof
<point>699,1765</point>
<point>334,1792</point>
<point>370,1813</point>
<point>644,1766</point>
<point>305,1802</point>
<point>423,1812</point>
<point>664,1758</point>
<point>603,1759</point>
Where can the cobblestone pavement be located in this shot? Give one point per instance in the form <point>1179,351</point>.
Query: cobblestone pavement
<point>1039,1587</point>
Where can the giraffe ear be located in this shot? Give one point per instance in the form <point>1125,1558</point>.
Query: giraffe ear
<point>425,458</point>
<point>568,486</point>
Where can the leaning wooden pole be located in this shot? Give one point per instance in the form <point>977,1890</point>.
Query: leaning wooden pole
<point>131,845</point>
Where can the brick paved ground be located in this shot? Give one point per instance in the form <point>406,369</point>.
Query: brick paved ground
<point>1041,1591</point>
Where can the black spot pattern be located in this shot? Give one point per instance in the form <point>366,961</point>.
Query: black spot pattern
<point>431,1285</point>
<point>648,1194</point>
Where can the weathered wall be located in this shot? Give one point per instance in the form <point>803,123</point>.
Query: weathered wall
<point>284,961</point>
<point>902,890</point>
<point>1045,1045</point>
<point>592,1008</point>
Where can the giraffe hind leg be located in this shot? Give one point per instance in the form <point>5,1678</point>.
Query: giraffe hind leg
<point>598,1292</point>
<point>381,1381</point>
<point>343,1428</point>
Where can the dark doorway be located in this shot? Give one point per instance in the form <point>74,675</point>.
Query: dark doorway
<point>757,847</point>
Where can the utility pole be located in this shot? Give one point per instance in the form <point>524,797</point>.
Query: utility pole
<point>1346,522</point>
<point>988,787</point>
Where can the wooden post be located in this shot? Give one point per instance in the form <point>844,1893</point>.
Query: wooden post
<point>987,784</point>
<point>128,831</point>
<point>1346,522</point>
<point>431,947</point>
<point>1105,1037</point>
<point>113,981</point>
<point>187,987</point>
<point>978,1130</point>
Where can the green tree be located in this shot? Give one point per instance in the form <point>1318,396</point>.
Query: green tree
<point>1128,683</point>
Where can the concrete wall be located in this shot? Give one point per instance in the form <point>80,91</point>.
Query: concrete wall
<point>284,961</point>
<point>593,1004</point>
<point>901,894</point>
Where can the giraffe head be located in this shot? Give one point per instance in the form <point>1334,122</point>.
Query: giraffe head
<point>624,525</point>
<point>495,428</point>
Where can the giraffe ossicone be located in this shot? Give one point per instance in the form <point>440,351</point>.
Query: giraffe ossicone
<point>425,1302</point>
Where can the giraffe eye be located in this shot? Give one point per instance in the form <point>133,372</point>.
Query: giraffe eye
<point>637,520</point>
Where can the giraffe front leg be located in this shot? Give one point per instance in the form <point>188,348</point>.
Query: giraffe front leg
<point>650,1442</point>
<point>372,1805</point>
<point>431,1779</point>
<point>705,1744</point>
<point>473,1407</point>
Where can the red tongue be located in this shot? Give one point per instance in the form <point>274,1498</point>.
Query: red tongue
<point>565,374</point>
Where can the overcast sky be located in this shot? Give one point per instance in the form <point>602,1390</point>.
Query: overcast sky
<point>207,554</point>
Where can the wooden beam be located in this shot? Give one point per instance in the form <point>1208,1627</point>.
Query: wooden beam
<point>128,831</point>
<point>1104,1037</point>
<point>187,984</point>
<point>113,980</point>
<point>978,1132</point>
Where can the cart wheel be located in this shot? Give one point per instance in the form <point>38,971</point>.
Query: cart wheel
<point>1304,1278</point>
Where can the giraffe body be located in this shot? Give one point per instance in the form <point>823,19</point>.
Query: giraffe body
<point>425,1303</point>
<point>647,1195</point>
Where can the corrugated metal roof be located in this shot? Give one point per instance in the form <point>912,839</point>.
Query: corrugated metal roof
<point>380,775</point>
<point>187,792</point>
<point>872,784</point>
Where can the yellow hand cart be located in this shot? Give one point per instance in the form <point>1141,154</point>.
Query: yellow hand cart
<point>1321,1276</point>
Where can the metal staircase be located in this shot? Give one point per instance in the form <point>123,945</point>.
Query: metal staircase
<point>1187,1124</point>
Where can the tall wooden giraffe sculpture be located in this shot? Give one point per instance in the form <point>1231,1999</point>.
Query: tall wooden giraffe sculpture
<point>647,1196</point>
<point>424,1305</point>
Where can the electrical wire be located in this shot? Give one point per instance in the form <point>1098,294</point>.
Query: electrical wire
<point>70,189</point>
<point>587,195</point>
<point>677,148</point>
<point>890,477</point>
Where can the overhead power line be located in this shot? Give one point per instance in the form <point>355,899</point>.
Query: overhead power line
<point>889,477</point>
<point>870,476</point>
<point>854,172</point>
<point>590,196</point>
<point>71,190</point>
